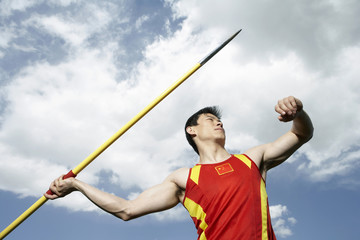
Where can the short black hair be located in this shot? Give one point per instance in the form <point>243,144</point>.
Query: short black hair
<point>193,121</point>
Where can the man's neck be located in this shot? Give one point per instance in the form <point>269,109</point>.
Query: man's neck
<point>213,155</point>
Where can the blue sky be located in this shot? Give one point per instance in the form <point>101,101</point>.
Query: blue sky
<point>73,72</point>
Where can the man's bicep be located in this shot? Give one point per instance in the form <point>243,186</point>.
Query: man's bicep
<point>281,149</point>
<point>155,199</point>
<point>269,155</point>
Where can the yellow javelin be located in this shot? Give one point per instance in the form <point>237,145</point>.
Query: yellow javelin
<point>111,140</point>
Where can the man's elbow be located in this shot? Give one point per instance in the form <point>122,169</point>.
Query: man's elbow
<point>311,133</point>
<point>307,136</point>
<point>124,215</point>
<point>124,212</point>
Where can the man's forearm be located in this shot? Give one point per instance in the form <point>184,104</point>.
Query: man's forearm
<point>108,202</point>
<point>302,126</point>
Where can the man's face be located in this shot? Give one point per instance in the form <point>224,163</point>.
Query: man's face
<point>209,128</point>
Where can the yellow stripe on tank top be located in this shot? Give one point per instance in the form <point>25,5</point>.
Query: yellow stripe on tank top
<point>195,173</point>
<point>196,211</point>
<point>264,208</point>
<point>244,159</point>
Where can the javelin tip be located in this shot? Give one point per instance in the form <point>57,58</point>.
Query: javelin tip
<point>208,57</point>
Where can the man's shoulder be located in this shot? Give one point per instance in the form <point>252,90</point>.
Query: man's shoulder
<point>256,153</point>
<point>179,177</point>
<point>181,173</point>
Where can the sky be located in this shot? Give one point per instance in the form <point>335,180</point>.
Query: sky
<point>73,72</point>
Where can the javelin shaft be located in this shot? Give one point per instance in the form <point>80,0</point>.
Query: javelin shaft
<point>112,139</point>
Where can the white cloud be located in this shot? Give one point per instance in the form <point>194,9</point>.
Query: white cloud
<point>349,162</point>
<point>64,3</point>
<point>277,211</point>
<point>41,135</point>
<point>316,31</point>
<point>7,34</point>
<point>75,30</point>
<point>281,223</point>
<point>305,49</point>
<point>292,220</point>
<point>24,48</point>
<point>139,22</point>
<point>334,148</point>
<point>58,114</point>
<point>72,33</point>
<point>74,107</point>
<point>8,6</point>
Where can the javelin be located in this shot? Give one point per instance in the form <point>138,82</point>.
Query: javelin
<point>111,140</point>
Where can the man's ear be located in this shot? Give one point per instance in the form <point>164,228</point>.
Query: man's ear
<point>190,130</point>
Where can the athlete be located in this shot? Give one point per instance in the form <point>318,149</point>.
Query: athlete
<point>224,193</point>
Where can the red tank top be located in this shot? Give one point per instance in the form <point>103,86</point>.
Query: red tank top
<point>228,201</point>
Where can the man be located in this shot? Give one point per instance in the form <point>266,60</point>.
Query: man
<point>224,194</point>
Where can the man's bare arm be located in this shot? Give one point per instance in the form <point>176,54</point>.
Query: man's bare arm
<point>158,198</point>
<point>272,154</point>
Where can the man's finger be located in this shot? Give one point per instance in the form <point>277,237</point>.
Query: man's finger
<point>290,104</point>
<point>279,110</point>
<point>285,107</point>
<point>293,102</point>
<point>51,197</point>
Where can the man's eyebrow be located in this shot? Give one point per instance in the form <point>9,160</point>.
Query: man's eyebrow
<point>212,117</point>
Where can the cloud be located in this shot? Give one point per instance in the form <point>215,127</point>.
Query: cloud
<point>6,36</point>
<point>73,29</point>
<point>315,31</point>
<point>334,148</point>
<point>8,6</point>
<point>281,223</point>
<point>8,33</point>
<point>140,21</point>
<point>306,49</point>
<point>56,114</point>
<point>349,162</point>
